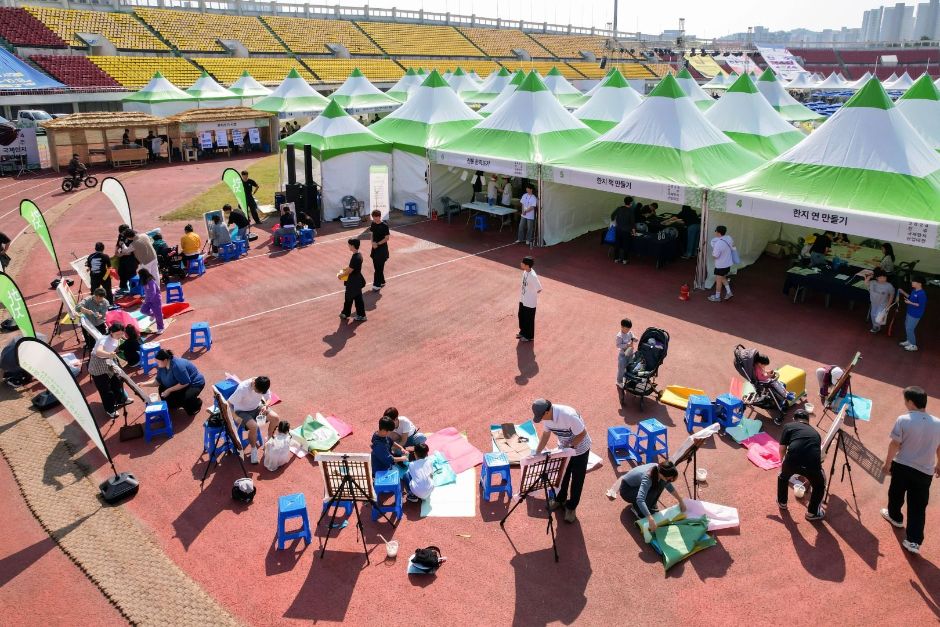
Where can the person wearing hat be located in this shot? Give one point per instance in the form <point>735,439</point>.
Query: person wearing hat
<point>828,377</point>
<point>110,386</point>
<point>800,450</point>
<point>568,426</point>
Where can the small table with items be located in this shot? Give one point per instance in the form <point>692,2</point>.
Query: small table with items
<point>505,214</point>
<point>843,283</point>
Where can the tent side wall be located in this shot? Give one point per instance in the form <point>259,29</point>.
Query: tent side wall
<point>448,183</point>
<point>409,181</point>
<point>348,175</point>
<point>569,212</point>
<point>750,235</point>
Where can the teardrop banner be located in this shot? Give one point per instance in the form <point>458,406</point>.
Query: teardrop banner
<point>12,299</point>
<point>114,190</point>
<point>31,213</point>
<point>233,179</point>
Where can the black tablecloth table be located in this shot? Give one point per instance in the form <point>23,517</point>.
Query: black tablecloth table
<point>825,282</point>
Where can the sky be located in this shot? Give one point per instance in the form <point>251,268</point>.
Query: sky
<point>703,18</point>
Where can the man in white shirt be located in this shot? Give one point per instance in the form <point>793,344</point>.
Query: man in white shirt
<point>420,475</point>
<point>569,428</point>
<point>250,401</point>
<point>406,434</point>
<point>491,190</point>
<point>723,254</point>
<point>528,300</point>
<point>529,202</point>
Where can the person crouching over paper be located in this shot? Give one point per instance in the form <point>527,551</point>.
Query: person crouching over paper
<point>385,452</point>
<point>642,487</point>
<point>250,401</point>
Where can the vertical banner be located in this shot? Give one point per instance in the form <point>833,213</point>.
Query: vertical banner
<point>12,299</point>
<point>378,189</point>
<point>233,179</point>
<point>31,213</point>
<point>42,362</point>
<point>112,188</point>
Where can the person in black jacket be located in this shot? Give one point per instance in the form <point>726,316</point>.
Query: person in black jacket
<point>99,270</point>
<point>239,219</point>
<point>624,219</point>
<point>380,235</point>
<point>354,284</point>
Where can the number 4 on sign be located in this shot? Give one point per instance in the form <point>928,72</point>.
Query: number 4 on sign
<point>738,204</point>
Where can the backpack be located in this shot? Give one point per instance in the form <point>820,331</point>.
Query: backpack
<point>427,559</point>
<point>244,490</point>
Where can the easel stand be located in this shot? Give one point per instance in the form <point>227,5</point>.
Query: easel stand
<point>215,455</point>
<point>693,461</point>
<point>347,485</point>
<point>544,483</point>
<point>57,327</point>
<point>846,468</point>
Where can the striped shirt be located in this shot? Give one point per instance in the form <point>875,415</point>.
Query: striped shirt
<point>566,423</point>
<point>96,365</point>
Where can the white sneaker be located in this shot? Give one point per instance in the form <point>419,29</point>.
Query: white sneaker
<point>910,347</point>
<point>913,547</point>
<point>887,516</point>
<point>715,298</point>
<point>254,456</point>
<point>904,343</point>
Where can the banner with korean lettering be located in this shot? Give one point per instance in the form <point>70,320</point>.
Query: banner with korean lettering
<point>782,62</point>
<point>490,165</point>
<point>31,213</point>
<point>653,190</point>
<point>233,179</point>
<point>12,299</point>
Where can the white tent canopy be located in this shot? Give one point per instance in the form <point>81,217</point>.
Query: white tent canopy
<point>208,93</point>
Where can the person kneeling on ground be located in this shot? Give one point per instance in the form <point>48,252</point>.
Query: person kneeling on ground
<point>219,235</point>
<point>382,457</point>
<point>420,482</point>
<point>405,434</point>
<point>250,401</point>
<point>179,381</point>
<point>800,450</point>
<point>642,487</point>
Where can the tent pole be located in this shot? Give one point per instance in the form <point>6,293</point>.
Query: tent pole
<point>701,265</point>
<point>538,222</point>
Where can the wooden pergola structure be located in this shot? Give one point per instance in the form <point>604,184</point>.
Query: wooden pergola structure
<point>98,134</point>
<point>223,128</point>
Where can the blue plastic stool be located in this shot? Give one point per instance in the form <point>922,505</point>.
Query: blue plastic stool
<point>306,237</point>
<point>387,482</point>
<point>699,412</point>
<point>241,247</point>
<point>196,266</point>
<point>411,208</point>
<point>133,286</point>
<point>618,443</point>
<point>226,387</point>
<point>200,335</point>
<point>479,222</point>
<point>174,293</point>
<point>148,353</point>
<point>215,441</point>
<point>730,410</point>
<point>652,440</point>
<point>288,241</point>
<point>495,465</point>
<point>157,413</point>
<point>288,507</point>
<point>228,252</point>
<point>243,436</point>
<point>346,505</point>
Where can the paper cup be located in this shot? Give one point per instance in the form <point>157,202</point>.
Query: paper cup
<point>391,548</point>
<point>809,407</point>
<point>154,398</point>
<point>799,491</point>
<point>701,474</point>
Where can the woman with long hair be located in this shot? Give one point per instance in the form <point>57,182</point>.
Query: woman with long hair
<point>153,303</point>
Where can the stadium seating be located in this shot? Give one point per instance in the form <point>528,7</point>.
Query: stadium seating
<point>309,36</point>
<point>122,29</point>
<point>74,70</point>
<point>267,70</point>
<point>481,66</point>
<point>816,55</point>
<point>570,46</point>
<point>542,67</point>
<point>21,28</point>
<point>919,56</point>
<point>199,32</point>
<point>864,57</point>
<point>337,70</point>
<point>135,72</point>
<point>641,70</point>
<point>419,40</point>
<point>588,69</point>
<point>502,41</point>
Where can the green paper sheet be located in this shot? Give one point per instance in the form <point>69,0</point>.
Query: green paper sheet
<point>681,539</point>
<point>743,430</point>
<point>317,433</point>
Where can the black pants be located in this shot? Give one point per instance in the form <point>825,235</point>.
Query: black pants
<point>527,322</point>
<point>574,474</point>
<point>111,390</point>
<point>102,280</point>
<point>816,480</point>
<point>253,208</point>
<point>354,297</point>
<point>187,398</point>
<point>916,485</point>
<point>379,264</point>
<point>622,245</point>
<point>127,268</point>
<point>631,494</point>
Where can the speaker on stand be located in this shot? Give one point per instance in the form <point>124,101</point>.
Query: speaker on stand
<point>311,203</point>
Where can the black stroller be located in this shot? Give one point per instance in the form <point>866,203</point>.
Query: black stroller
<point>640,375</point>
<point>764,395</point>
<point>170,264</point>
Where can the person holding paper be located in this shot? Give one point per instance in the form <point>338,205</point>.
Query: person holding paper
<point>569,428</point>
<point>110,386</point>
<point>642,487</point>
<point>250,401</point>
<point>800,451</point>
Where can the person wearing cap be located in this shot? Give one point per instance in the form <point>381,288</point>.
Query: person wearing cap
<point>642,487</point>
<point>568,426</point>
<point>828,377</point>
<point>110,386</point>
<point>800,450</point>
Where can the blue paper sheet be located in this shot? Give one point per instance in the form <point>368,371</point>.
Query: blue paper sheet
<point>860,408</point>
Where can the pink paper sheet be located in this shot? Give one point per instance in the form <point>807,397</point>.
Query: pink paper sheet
<point>341,427</point>
<point>455,448</point>
<point>763,451</point>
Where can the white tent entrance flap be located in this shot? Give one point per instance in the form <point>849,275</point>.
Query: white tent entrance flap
<point>410,181</point>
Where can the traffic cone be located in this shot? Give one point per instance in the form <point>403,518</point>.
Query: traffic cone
<point>684,292</point>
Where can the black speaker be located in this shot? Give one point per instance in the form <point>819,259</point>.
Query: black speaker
<point>119,487</point>
<point>308,165</point>
<point>294,192</point>
<point>291,161</point>
<point>603,62</point>
<point>311,205</point>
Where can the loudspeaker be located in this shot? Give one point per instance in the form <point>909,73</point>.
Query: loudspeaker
<point>291,165</point>
<point>294,192</point>
<point>311,206</point>
<point>119,487</point>
<point>308,165</point>
<point>45,400</point>
<point>603,63</point>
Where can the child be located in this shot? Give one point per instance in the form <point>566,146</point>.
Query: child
<point>765,375</point>
<point>153,304</point>
<point>916,303</point>
<point>382,457</point>
<point>406,434</point>
<point>625,342</point>
<point>277,448</point>
<point>420,473</point>
<point>129,350</point>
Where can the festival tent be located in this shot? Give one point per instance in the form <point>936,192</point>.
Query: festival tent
<point>344,150</point>
<point>842,78</point>
<point>745,116</point>
<point>405,85</point>
<point>903,82</point>
<point>492,86</point>
<point>566,93</point>
<point>803,80</point>
<point>610,104</point>
<point>210,94</point>
<point>293,97</point>
<point>692,89</point>
<point>831,82</point>
<point>358,96</point>
<point>936,83</point>
<point>664,150</point>
<point>462,84</point>
<point>717,82</point>
<point>785,104</point>
<point>921,106</point>
<point>159,97</point>
<point>476,77</point>
<point>865,172</point>
<point>504,95</point>
<point>860,82</point>
<point>433,115</point>
<point>248,89</point>
<point>886,82</point>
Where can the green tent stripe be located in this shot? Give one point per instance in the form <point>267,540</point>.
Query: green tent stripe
<point>615,79</point>
<point>532,82</point>
<point>518,146</point>
<point>434,79</point>
<point>768,76</point>
<point>328,147</point>
<point>668,88</point>
<point>416,137</point>
<point>922,89</point>
<point>743,85</point>
<point>599,126</point>
<point>871,96</point>
<point>769,146</point>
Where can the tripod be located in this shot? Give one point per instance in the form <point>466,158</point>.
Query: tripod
<point>215,454</point>
<point>546,485</point>
<point>846,392</point>
<point>846,467</point>
<point>693,460</point>
<point>348,486</point>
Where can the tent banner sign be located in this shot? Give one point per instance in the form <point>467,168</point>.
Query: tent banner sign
<point>782,62</point>
<point>888,228</point>
<point>653,190</point>
<point>492,165</point>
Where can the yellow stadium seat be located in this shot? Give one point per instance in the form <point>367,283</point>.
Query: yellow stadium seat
<point>310,36</point>
<point>656,69</point>
<point>135,72</point>
<point>500,42</point>
<point>199,32</point>
<point>589,70</point>
<point>571,46</point>
<point>419,40</point>
<point>332,70</point>
<point>267,70</point>
<point>124,30</point>
<point>482,67</point>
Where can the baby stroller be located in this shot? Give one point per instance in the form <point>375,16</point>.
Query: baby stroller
<point>764,394</point>
<point>170,264</point>
<point>640,375</point>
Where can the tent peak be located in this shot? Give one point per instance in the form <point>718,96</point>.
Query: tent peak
<point>668,88</point>
<point>922,89</point>
<point>872,96</point>
<point>434,79</point>
<point>532,82</point>
<point>744,85</point>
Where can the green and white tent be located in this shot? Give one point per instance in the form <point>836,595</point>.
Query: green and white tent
<point>358,96</point>
<point>504,95</point>
<point>566,93</point>
<point>293,98</point>
<point>610,104</point>
<point>832,82</point>
<point>803,80</point>
<point>433,115</point>
<point>785,104</point>
<point>405,85</point>
<point>344,151</point>
<point>248,89</point>
<point>462,84</point>
<point>492,86</point>
<point>921,106</point>
<point>745,116</point>
<point>865,172</point>
<point>694,91</point>
<point>209,93</point>
<point>719,81</point>
<point>665,150</point>
<point>159,97</point>
<point>902,82</point>
<point>889,80</point>
<point>476,77</point>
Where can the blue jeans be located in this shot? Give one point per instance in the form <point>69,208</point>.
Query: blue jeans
<point>910,323</point>
<point>691,239</point>
<point>415,438</point>
<point>622,360</point>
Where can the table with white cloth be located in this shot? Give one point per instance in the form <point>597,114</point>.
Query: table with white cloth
<point>505,214</point>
